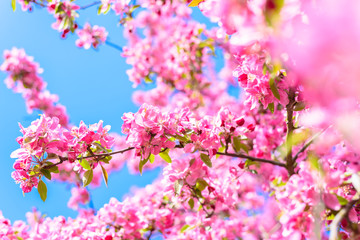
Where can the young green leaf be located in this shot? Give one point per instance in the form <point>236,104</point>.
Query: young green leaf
<point>46,173</point>
<point>342,200</point>
<point>236,144</point>
<point>54,169</point>
<point>151,158</point>
<point>165,155</point>
<point>271,107</point>
<point>13,5</point>
<point>99,9</point>
<point>191,203</point>
<point>184,228</point>
<point>42,189</point>
<point>206,159</point>
<point>85,164</point>
<point>273,88</point>
<point>105,175</point>
<point>201,184</point>
<point>87,178</point>
<point>141,165</point>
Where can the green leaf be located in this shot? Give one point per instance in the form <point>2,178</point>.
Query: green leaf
<point>191,203</point>
<point>87,178</point>
<point>165,155</point>
<point>99,9</point>
<point>201,184</point>
<point>105,175</point>
<point>141,164</point>
<point>13,5</point>
<point>98,144</point>
<point>206,159</point>
<point>342,200</point>
<point>273,88</point>
<point>54,169</point>
<point>107,10</point>
<point>238,145</point>
<point>106,159</point>
<point>151,158</point>
<point>181,138</point>
<point>42,189</point>
<point>179,183</point>
<point>299,106</point>
<point>330,217</point>
<point>194,3</point>
<point>46,173</point>
<point>85,164</point>
<point>147,79</point>
<point>184,228</point>
<point>271,107</point>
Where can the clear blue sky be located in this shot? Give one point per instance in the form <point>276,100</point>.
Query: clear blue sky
<point>91,84</point>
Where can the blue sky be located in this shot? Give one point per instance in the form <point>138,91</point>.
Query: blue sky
<point>92,85</point>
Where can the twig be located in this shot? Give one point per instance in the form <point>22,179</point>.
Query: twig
<point>113,45</point>
<point>306,145</point>
<point>63,159</point>
<point>334,226</point>
<point>239,155</point>
<point>90,5</point>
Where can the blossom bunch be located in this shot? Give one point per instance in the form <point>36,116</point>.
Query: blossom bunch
<point>23,78</point>
<point>45,140</point>
<point>65,15</point>
<point>91,36</point>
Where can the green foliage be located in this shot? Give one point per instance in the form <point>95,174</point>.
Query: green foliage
<point>42,189</point>
<point>206,159</point>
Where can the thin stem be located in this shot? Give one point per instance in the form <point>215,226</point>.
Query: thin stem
<point>306,145</point>
<point>113,45</point>
<point>39,4</point>
<point>334,226</point>
<point>90,5</point>
<point>151,232</point>
<point>63,159</point>
<point>239,155</point>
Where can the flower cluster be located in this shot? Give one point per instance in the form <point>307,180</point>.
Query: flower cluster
<point>151,132</point>
<point>91,36</point>
<point>23,78</point>
<point>46,140</point>
<point>65,14</point>
<point>257,85</point>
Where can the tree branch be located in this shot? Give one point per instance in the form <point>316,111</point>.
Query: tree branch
<point>113,45</point>
<point>63,159</point>
<point>90,5</point>
<point>334,226</point>
<point>239,155</point>
<point>306,145</point>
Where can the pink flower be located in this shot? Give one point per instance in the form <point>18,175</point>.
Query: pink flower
<point>91,36</point>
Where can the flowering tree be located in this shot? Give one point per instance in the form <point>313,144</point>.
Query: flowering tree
<point>279,162</point>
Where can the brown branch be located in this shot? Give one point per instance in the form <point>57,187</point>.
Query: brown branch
<point>63,159</point>
<point>239,155</point>
<point>344,212</point>
<point>306,145</point>
<point>90,5</point>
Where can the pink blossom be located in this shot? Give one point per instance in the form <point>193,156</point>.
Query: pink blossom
<point>91,36</point>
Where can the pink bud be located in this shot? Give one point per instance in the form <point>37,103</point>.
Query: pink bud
<point>251,127</point>
<point>240,121</point>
